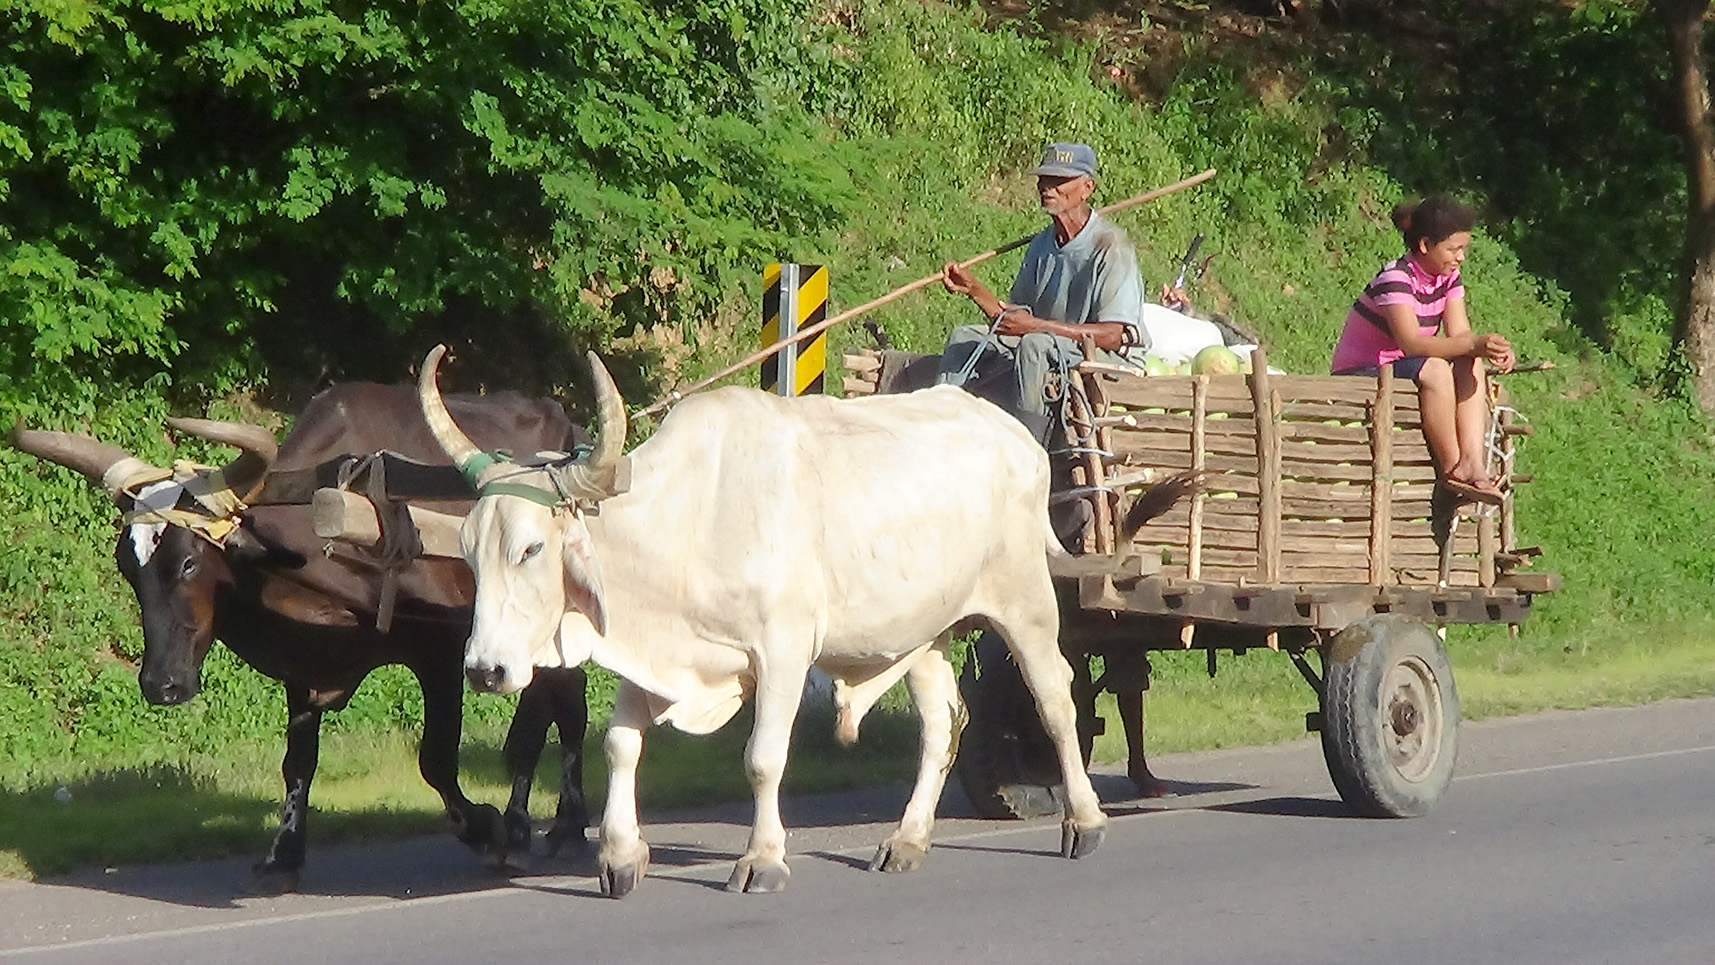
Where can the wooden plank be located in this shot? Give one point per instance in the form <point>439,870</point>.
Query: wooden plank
<point>1506,417</point>
<point>1236,466</point>
<point>1221,423</point>
<point>1320,432</point>
<point>1410,444</point>
<point>1530,582</point>
<point>1293,489</point>
<point>1355,473</point>
<point>1176,538</point>
<point>1357,389</point>
<point>1094,475</point>
<point>1199,462</point>
<point>1131,566</point>
<point>1347,413</point>
<point>867,360</point>
<point>1131,440</point>
<point>1268,470</point>
<point>1488,544</point>
<point>852,385</point>
<point>1226,393</point>
<point>1361,560</point>
<point>1312,452</point>
<point>346,516</point>
<point>1405,576</point>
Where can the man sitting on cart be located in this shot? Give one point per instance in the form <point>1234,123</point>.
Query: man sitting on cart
<point>1078,280</point>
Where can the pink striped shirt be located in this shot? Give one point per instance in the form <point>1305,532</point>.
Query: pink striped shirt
<point>1366,339</point>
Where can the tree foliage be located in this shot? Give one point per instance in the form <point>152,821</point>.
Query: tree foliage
<point>319,187</point>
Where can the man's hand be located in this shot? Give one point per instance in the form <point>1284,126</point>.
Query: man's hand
<point>1019,321</point>
<point>958,279</point>
<point>1175,298</point>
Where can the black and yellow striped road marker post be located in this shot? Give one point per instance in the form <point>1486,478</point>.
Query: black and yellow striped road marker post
<point>794,297</point>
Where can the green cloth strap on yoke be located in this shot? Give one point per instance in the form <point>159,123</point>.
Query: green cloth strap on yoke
<point>535,494</point>
<point>476,465</point>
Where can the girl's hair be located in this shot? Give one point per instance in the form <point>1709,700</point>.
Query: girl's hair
<point>1432,219</point>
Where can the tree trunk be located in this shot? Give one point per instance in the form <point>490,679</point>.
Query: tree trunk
<point>1696,322</point>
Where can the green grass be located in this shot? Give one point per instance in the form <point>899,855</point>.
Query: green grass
<point>367,787</point>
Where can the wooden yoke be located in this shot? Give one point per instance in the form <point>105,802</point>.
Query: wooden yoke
<point>349,517</point>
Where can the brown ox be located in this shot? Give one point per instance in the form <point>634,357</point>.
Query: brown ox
<point>306,617</point>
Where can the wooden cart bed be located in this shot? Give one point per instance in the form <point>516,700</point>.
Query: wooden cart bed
<point>1319,498</point>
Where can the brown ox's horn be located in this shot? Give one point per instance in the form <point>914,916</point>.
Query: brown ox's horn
<point>108,465</point>
<point>454,442</point>
<point>258,449</point>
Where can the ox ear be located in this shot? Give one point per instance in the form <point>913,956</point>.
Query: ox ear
<point>583,575</point>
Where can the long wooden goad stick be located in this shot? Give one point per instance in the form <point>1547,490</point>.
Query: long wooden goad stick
<point>900,292</point>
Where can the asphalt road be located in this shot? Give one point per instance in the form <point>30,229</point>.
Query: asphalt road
<point>1566,838</point>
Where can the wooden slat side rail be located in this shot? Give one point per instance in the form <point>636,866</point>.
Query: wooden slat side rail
<point>1358,548</point>
<point>1199,462</point>
<point>1381,482</point>
<point>1268,471</point>
<point>1083,425</point>
<point>1508,442</point>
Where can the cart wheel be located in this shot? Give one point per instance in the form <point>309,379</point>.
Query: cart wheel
<point>1006,764</point>
<point>1390,728</point>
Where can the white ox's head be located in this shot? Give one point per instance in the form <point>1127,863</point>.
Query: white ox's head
<point>527,544</point>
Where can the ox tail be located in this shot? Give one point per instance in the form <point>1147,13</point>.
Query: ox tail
<point>1156,500</point>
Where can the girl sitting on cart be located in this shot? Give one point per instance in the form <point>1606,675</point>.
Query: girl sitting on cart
<point>1412,316</point>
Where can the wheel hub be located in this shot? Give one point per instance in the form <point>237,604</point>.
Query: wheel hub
<point>1412,716</point>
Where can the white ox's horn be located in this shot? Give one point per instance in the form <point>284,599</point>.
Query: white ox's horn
<point>108,465</point>
<point>454,442</point>
<point>257,451</point>
<point>597,475</point>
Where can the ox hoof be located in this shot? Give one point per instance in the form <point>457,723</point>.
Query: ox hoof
<point>1076,844</point>
<point>572,841</point>
<point>619,878</point>
<point>482,830</point>
<point>271,882</point>
<point>897,856</point>
<point>754,878</point>
<point>509,860</point>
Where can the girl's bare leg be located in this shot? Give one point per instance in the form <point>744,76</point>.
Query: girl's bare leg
<point>1471,388</point>
<point>1438,402</point>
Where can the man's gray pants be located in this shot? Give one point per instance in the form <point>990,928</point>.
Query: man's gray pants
<point>1012,371</point>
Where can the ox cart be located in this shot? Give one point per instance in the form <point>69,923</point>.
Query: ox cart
<point>1318,529</point>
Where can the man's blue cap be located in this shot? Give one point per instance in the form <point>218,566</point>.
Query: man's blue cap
<point>1064,159</point>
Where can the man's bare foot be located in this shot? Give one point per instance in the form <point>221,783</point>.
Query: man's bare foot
<point>1147,784</point>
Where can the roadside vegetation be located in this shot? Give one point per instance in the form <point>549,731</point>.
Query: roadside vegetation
<point>626,198</point>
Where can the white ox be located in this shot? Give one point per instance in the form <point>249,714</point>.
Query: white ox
<point>760,536</point>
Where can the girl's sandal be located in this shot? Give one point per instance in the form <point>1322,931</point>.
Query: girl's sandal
<point>1474,494</point>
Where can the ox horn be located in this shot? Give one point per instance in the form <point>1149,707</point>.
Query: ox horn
<point>454,442</point>
<point>106,464</point>
<point>610,407</point>
<point>257,450</point>
<point>598,475</point>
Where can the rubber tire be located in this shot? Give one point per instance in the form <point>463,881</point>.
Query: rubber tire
<point>1006,763</point>
<point>1390,716</point>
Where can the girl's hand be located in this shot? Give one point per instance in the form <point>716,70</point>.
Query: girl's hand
<point>1497,350</point>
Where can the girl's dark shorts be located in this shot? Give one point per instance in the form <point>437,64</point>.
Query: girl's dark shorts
<point>1407,368</point>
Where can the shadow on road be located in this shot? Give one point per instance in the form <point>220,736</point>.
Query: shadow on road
<point>1290,807</point>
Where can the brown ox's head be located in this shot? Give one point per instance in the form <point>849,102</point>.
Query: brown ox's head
<point>526,541</point>
<point>174,552</point>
